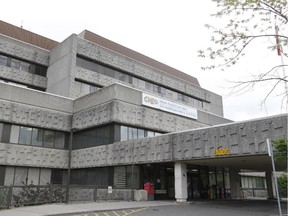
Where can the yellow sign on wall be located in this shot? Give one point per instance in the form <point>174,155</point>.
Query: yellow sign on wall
<point>220,152</point>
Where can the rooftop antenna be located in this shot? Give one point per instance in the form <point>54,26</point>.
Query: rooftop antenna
<point>21,24</point>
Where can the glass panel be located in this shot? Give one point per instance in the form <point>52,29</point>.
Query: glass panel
<point>150,133</point>
<point>37,137</point>
<point>45,176</point>
<point>156,89</point>
<point>132,133</point>
<point>3,60</point>
<point>48,138</point>
<point>25,135</point>
<point>1,128</point>
<point>14,136</point>
<point>148,86</point>
<point>124,133</point>
<point>15,64</point>
<point>21,176</point>
<point>59,140</point>
<point>33,176</point>
<point>133,175</point>
<point>158,134</point>
<point>40,70</point>
<point>85,89</point>
<point>9,176</point>
<point>93,88</point>
<point>57,177</point>
<point>140,133</point>
<point>24,66</point>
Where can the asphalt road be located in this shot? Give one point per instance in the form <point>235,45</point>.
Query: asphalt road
<point>202,208</point>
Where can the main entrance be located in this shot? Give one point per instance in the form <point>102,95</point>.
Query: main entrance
<point>203,182</point>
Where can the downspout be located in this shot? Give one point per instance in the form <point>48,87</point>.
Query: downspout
<point>69,166</point>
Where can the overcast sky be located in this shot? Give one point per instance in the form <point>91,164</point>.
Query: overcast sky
<point>170,31</point>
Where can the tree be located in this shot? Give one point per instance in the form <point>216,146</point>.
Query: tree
<point>245,22</point>
<point>281,149</point>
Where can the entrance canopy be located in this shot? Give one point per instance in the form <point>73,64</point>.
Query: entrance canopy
<point>238,145</point>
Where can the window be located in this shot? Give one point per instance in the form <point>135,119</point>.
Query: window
<point>141,133</point>
<point>125,77</point>
<point>157,89</point>
<point>45,176</point>
<point>132,133</point>
<point>20,177</point>
<point>37,137</point>
<point>124,133</point>
<point>150,133</point>
<point>59,140</point>
<point>15,64</point>
<point>48,139</point>
<point>1,129</point>
<point>24,66</point>
<point>3,60</point>
<point>25,135</point>
<point>33,176</point>
<point>14,135</point>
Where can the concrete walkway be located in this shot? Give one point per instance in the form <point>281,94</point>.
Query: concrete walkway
<point>61,208</point>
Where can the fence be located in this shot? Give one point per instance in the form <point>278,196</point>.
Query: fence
<point>16,196</point>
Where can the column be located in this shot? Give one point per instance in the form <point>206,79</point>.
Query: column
<point>180,174</point>
<point>269,183</point>
<point>235,183</point>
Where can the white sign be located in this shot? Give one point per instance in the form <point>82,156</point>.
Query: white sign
<point>168,106</point>
<point>109,189</point>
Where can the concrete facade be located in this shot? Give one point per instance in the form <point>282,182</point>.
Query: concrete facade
<point>62,110</point>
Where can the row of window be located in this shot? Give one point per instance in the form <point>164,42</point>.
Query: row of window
<point>84,89</point>
<point>128,133</point>
<point>23,65</point>
<point>108,134</point>
<point>33,136</point>
<point>149,86</point>
<point>20,176</point>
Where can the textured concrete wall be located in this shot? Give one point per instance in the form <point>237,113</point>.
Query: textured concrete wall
<point>20,155</point>
<point>38,109</point>
<point>23,50</point>
<point>243,138</point>
<point>23,77</point>
<point>138,116</point>
<point>120,103</point>
<point>60,74</point>
<point>124,63</point>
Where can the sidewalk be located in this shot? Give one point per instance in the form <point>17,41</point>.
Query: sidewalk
<point>61,208</point>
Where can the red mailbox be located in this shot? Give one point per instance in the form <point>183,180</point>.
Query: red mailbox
<point>149,187</point>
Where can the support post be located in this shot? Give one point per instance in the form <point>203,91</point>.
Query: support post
<point>235,183</point>
<point>180,174</point>
<point>69,166</point>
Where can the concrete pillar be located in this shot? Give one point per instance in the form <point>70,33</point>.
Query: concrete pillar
<point>235,183</point>
<point>269,184</point>
<point>180,173</point>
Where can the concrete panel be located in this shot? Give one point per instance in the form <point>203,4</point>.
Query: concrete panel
<point>20,155</point>
<point>23,50</point>
<point>188,145</point>
<point>61,68</point>
<point>127,113</point>
<point>138,69</point>
<point>23,77</point>
<point>34,116</point>
<point>35,98</point>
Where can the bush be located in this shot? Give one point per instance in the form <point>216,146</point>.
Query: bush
<point>282,185</point>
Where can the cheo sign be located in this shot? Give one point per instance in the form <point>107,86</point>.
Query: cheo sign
<point>168,106</point>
